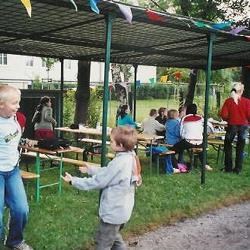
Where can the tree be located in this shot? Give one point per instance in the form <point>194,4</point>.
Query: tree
<point>121,87</point>
<point>82,95</point>
<point>206,9</point>
<point>49,63</point>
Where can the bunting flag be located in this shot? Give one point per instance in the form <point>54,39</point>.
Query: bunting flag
<point>152,81</point>
<point>126,11</point>
<point>164,79</point>
<point>237,30</point>
<point>248,38</point>
<point>93,6</point>
<point>27,6</point>
<point>72,1</point>
<point>201,24</point>
<point>154,16</point>
<point>221,26</point>
<point>177,75</point>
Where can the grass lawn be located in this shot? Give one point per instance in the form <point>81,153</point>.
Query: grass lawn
<point>68,221</point>
<point>143,108</point>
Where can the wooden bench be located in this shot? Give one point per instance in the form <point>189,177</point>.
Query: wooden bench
<point>96,142</point>
<point>194,153</point>
<point>58,159</point>
<point>93,141</point>
<point>28,175</point>
<point>162,155</point>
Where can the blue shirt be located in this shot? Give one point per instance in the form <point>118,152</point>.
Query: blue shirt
<point>126,120</point>
<point>172,131</point>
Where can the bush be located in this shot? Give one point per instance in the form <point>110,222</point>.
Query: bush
<point>69,107</point>
<point>94,109</point>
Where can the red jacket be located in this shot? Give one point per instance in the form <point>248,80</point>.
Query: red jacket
<point>236,114</point>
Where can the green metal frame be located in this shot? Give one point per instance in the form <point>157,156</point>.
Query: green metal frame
<point>38,172</point>
<point>109,21</point>
<point>135,88</point>
<point>211,38</point>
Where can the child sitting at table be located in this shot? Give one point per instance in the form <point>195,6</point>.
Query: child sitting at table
<point>172,135</point>
<point>118,182</point>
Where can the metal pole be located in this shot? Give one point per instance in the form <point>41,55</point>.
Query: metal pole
<point>211,38</point>
<point>109,20</point>
<point>61,93</point>
<point>135,79</point>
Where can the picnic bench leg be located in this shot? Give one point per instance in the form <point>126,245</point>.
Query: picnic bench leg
<point>60,174</point>
<point>38,178</point>
<point>218,154</point>
<point>158,163</point>
<point>192,160</point>
<point>151,157</point>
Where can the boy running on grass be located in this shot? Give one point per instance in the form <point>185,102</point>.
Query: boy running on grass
<point>12,191</point>
<point>118,182</point>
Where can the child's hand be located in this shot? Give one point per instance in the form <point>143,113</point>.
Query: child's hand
<point>31,143</point>
<point>67,177</point>
<point>84,169</point>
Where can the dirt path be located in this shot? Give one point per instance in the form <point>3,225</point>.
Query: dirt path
<point>225,229</point>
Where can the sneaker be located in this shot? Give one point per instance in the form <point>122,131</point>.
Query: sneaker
<point>208,168</point>
<point>22,246</point>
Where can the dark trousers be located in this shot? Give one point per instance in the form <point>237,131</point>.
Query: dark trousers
<point>179,148</point>
<point>108,237</point>
<point>231,132</point>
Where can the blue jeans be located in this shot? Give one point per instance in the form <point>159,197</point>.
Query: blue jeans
<point>231,132</point>
<point>12,194</point>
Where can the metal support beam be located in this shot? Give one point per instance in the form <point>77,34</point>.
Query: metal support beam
<point>61,92</point>
<point>109,20</point>
<point>211,38</point>
<point>134,94</point>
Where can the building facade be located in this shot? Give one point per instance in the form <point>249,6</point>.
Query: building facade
<point>23,70</point>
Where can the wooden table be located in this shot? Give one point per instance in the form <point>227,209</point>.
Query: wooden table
<point>50,154</point>
<point>84,130</point>
<point>142,138</point>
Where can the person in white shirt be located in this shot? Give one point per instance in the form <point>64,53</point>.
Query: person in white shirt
<point>151,126</point>
<point>191,132</point>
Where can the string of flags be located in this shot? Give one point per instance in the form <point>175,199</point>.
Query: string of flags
<point>27,6</point>
<point>156,17</point>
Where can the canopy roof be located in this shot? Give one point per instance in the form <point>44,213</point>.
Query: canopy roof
<point>57,30</point>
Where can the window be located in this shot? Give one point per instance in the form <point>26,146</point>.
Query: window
<point>30,61</point>
<point>3,59</point>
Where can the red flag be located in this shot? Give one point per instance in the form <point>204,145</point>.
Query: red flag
<point>154,16</point>
<point>248,38</point>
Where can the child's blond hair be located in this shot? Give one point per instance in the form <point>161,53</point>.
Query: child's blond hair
<point>172,113</point>
<point>6,92</point>
<point>125,136</point>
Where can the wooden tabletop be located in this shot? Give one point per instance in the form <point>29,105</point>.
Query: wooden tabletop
<point>94,131</point>
<point>84,130</point>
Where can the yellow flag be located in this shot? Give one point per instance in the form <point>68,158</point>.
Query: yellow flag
<point>27,6</point>
<point>164,79</point>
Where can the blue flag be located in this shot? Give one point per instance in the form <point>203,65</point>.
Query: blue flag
<point>93,6</point>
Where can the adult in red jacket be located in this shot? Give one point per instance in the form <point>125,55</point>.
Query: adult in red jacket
<point>236,111</point>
